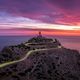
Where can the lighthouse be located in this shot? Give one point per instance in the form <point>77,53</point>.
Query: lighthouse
<point>40,35</point>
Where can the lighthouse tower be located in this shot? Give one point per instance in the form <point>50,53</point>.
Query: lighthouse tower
<point>40,35</point>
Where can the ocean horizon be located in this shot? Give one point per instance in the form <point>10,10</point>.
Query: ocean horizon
<point>71,42</point>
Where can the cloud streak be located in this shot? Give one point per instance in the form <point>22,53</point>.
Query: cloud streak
<point>40,14</point>
<point>22,22</point>
<point>50,11</point>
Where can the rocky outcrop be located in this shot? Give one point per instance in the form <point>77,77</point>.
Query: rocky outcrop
<point>48,60</point>
<point>11,53</point>
<point>53,64</point>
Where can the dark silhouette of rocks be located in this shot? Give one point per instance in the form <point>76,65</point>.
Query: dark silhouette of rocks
<point>11,53</point>
<point>54,63</point>
<point>59,64</point>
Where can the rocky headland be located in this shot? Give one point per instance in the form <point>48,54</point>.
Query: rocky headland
<point>39,58</point>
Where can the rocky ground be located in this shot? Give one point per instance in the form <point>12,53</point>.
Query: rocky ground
<point>11,53</point>
<point>55,64</point>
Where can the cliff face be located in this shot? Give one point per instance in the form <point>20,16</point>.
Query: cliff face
<point>53,64</point>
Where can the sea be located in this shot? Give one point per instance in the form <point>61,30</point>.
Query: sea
<point>71,42</point>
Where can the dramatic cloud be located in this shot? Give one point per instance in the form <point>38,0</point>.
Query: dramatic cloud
<point>44,14</point>
<point>45,10</point>
<point>36,9</point>
<point>10,22</point>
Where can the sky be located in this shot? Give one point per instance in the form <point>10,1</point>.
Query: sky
<point>52,17</point>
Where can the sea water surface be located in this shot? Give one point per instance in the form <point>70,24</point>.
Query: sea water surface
<point>72,42</point>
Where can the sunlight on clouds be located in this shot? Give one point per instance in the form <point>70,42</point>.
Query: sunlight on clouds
<point>53,26</point>
<point>21,22</point>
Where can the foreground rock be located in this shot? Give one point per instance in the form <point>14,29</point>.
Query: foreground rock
<point>51,61</point>
<point>53,64</point>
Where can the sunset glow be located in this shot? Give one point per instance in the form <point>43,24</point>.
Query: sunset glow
<point>27,17</point>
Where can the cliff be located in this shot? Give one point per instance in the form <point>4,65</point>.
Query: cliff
<point>39,58</point>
